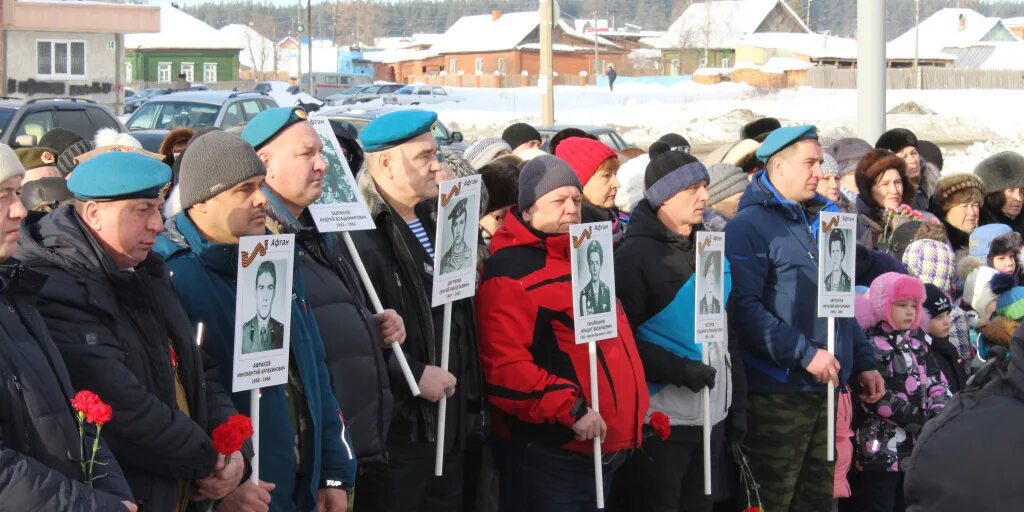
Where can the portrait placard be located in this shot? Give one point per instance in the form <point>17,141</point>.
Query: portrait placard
<point>455,246</point>
<point>837,243</point>
<point>263,311</point>
<point>593,281</point>
<point>340,207</point>
<point>709,295</point>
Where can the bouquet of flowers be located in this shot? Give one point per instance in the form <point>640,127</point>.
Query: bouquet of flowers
<point>92,410</point>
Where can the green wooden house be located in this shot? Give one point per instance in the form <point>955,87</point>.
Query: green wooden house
<point>183,45</point>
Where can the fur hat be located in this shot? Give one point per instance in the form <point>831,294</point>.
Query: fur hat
<point>848,153</point>
<point>1001,171</point>
<point>743,154</point>
<point>958,188</point>
<point>896,139</point>
<point>930,153</point>
<point>932,262</point>
<point>999,331</point>
<point>885,290</point>
<point>1003,244</point>
<point>111,137</point>
<point>179,135</point>
<point>873,165</point>
<point>758,129</point>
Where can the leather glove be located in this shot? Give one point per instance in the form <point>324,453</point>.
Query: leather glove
<point>736,427</point>
<point>697,375</point>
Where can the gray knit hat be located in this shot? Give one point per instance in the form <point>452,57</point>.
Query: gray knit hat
<point>483,151</point>
<point>848,153</point>
<point>726,180</point>
<point>10,166</point>
<point>213,163</point>
<point>829,165</point>
<point>542,175</point>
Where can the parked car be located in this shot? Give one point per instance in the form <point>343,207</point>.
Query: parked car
<point>132,104</point>
<point>420,95</point>
<point>23,123</point>
<point>608,136</point>
<point>196,110</point>
<point>286,94</point>
<point>326,84</point>
<point>362,94</point>
<point>359,119</point>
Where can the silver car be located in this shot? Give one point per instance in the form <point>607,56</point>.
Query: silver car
<point>419,95</point>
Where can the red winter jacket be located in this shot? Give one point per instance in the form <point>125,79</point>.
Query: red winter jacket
<point>538,378</point>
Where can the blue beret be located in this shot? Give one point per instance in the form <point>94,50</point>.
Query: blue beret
<point>781,138</point>
<point>265,126</point>
<point>119,175</point>
<point>394,128</point>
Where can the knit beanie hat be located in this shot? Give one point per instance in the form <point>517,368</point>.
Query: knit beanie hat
<point>483,151</point>
<point>829,166</point>
<point>873,165</point>
<point>10,166</point>
<point>848,153</point>
<point>1011,303</point>
<point>894,287</point>
<point>936,302</point>
<point>519,133</point>
<point>959,188</point>
<point>584,156</point>
<point>896,139</point>
<point>982,238</point>
<point>557,138</point>
<point>669,173</point>
<point>68,159</point>
<point>930,152</point>
<point>1001,171</point>
<point>932,262</point>
<point>871,264</point>
<point>758,129</point>
<point>977,292</point>
<point>726,180</point>
<point>59,139</point>
<point>676,142</point>
<point>213,163</point>
<point>542,175</point>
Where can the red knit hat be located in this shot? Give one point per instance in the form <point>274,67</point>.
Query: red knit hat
<point>584,156</point>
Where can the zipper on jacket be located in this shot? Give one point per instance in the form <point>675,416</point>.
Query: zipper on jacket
<point>24,420</point>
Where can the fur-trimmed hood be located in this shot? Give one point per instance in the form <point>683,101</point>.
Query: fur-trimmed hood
<point>875,308</point>
<point>999,331</point>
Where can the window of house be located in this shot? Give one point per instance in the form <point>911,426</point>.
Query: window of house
<point>189,70</point>
<point>60,58</point>
<point>452,68</point>
<point>725,62</point>
<point>210,72</point>
<point>478,66</point>
<point>163,72</point>
<point>128,72</point>
<point>501,66</point>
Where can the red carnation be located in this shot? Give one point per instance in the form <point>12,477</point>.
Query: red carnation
<point>229,437</point>
<point>92,407</point>
<point>660,424</point>
<point>752,508</point>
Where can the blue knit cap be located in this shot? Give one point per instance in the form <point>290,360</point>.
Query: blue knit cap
<point>1011,303</point>
<point>669,173</point>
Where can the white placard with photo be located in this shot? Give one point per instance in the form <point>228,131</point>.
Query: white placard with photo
<point>263,311</point>
<point>593,281</point>
<point>837,250</point>
<point>340,207</point>
<point>709,290</point>
<point>455,244</point>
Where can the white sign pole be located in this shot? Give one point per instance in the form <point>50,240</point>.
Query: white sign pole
<point>378,308</point>
<point>709,322</point>
<point>598,470</point>
<point>831,454</point>
<point>254,411</point>
<point>442,405</point>
<point>706,397</point>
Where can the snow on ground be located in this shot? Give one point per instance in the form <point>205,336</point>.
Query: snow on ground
<point>968,124</point>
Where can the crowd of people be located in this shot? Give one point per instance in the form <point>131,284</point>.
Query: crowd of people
<point>112,255</point>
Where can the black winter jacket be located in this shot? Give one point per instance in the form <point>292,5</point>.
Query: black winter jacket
<point>402,274</point>
<point>39,439</point>
<point>113,329</point>
<point>351,335</point>
<point>990,215</point>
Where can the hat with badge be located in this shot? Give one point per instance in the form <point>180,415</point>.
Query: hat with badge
<point>458,209</point>
<point>395,128</point>
<point>782,138</point>
<point>35,157</point>
<point>119,175</point>
<point>269,123</point>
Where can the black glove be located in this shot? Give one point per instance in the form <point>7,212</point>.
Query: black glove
<point>736,427</point>
<point>696,375</point>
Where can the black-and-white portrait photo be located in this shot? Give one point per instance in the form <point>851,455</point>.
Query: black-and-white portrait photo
<point>710,270</point>
<point>457,253</point>
<point>595,297</point>
<point>262,331</point>
<point>837,280</point>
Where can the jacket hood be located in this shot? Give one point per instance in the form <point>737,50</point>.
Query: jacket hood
<point>515,232</point>
<point>181,235</point>
<point>760,191</point>
<point>60,239</point>
<point>885,290</point>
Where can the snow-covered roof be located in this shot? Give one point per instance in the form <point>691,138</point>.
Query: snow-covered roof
<point>398,55</point>
<point>257,51</point>
<point>178,30</point>
<point>779,65</point>
<point>397,43</point>
<point>1014,22</point>
<point>815,46</point>
<point>944,30</point>
<point>659,42</point>
<point>721,24</point>
<point>1001,55</point>
<point>484,33</point>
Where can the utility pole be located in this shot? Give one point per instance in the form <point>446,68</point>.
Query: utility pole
<point>309,36</point>
<point>870,69</point>
<point>917,41</point>
<point>707,34</point>
<point>597,65</point>
<point>545,82</point>
<point>808,15</point>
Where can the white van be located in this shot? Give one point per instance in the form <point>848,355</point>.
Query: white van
<point>326,84</point>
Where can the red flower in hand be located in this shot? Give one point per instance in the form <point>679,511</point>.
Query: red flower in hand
<point>752,508</point>
<point>660,424</point>
<point>95,410</point>
<point>229,436</point>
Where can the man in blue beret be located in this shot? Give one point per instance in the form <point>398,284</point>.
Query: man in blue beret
<point>400,185</point>
<point>772,245</point>
<point>114,317</point>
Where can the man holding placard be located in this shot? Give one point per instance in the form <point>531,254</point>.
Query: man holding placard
<point>304,447</point>
<point>772,244</point>
<point>400,185</point>
<point>123,334</point>
<point>656,272</point>
<point>353,336</point>
<point>538,376</point>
